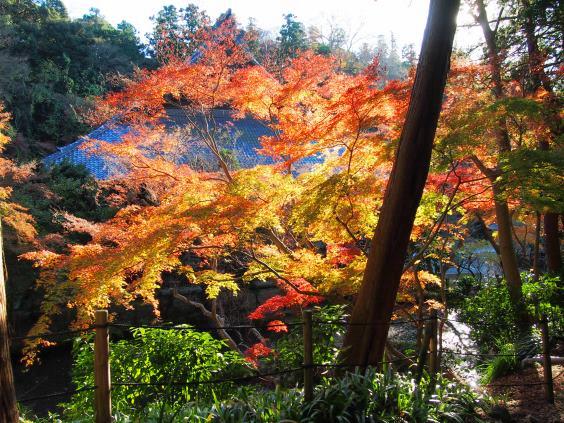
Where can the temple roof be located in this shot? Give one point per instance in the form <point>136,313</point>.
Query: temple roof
<point>239,141</point>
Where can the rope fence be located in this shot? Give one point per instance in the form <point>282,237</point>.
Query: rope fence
<point>54,334</point>
<point>427,356</point>
<point>213,381</point>
<point>57,394</point>
<point>212,328</point>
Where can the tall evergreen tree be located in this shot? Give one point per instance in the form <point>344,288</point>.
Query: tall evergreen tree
<point>292,37</point>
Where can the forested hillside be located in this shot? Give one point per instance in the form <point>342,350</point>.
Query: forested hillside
<point>51,66</point>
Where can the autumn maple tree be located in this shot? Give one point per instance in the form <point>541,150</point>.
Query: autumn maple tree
<point>331,151</point>
<point>308,219</point>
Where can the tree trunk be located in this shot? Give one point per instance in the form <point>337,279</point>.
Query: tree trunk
<point>366,337</point>
<point>554,122</point>
<point>552,243</point>
<point>536,247</point>
<point>503,218</point>
<point>506,250</point>
<point>8,407</point>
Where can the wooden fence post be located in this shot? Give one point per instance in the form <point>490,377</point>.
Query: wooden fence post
<point>103,399</point>
<point>308,356</point>
<point>547,363</point>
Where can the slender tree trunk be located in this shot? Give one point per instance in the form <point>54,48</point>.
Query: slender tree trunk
<point>420,306</point>
<point>552,243</point>
<point>506,249</point>
<point>554,122</point>
<point>8,407</point>
<point>536,247</point>
<point>551,235</point>
<point>366,337</point>
<point>503,218</point>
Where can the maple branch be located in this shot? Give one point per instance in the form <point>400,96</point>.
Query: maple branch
<point>351,234</point>
<point>521,244</point>
<point>498,20</point>
<point>208,138</point>
<point>279,276</point>
<point>212,315</point>
<point>490,173</point>
<point>437,225</point>
<point>257,334</point>
<point>488,234</point>
<point>269,233</point>
<point>145,165</point>
<point>212,178</point>
<point>215,150</point>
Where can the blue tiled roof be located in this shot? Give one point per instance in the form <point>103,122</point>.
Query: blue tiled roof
<point>102,166</point>
<point>239,139</point>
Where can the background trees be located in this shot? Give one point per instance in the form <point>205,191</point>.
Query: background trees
<point>59,64</point>
<point>174,32</point>
<point>51,66</point>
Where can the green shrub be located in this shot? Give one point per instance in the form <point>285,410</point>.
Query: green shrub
<point>503,364</point>
<point>327,339</point>
<point>462,288</point>
<point>354,397</point>
<point>64,187</point>
<point>490,316</point>
<point>545,297</point>
<point>152,357</point>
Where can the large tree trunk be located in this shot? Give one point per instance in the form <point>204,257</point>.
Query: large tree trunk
<point>366,337</point>
<point>8,407</point>
<point>503,218</point>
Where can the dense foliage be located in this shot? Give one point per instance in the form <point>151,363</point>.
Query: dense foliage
<point>60,191</point>
<point>492,318</point>
<point>160,361</point>
<point>486,308</point>
<point>165,356</point>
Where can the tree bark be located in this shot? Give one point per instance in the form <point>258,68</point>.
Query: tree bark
<point>536,247</point>
<point>488,234</point>
<point>506,249</point>
<point>366,336</point>
<point>552,243</point>
<point>8,406</point>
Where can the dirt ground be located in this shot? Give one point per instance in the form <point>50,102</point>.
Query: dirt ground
<point>527,403</point>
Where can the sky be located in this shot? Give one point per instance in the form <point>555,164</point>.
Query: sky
<point>365,18</point>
